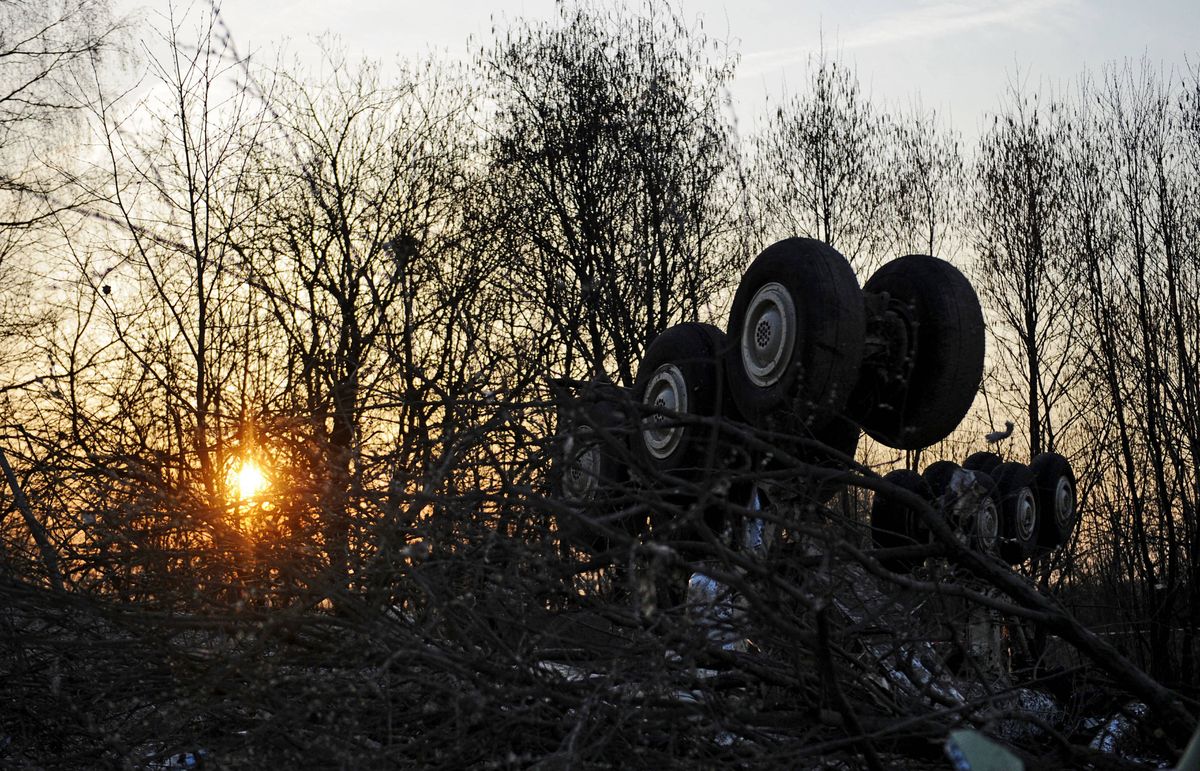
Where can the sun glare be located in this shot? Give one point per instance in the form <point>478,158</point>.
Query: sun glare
<point>247,479</point>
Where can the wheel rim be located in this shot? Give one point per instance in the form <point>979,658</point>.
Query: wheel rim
<point>768,334</point>
<point>1026,514</point>
<point>582,475</point>
<point>1064,503</point>
<point>667,390</point>
<point>987,527</point>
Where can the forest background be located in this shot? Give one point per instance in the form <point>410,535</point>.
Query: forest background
<point>362,284</point>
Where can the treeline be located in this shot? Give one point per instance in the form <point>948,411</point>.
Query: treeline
<point>1083,205</point>
<point>374,280</point>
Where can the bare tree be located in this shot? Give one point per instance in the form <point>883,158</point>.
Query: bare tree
<point>613,180</point>
<point>350,279</point>
<point>820,166</point>
<point>1022,266</point>
<point>48,51</point>
<point>356,245</point>
<point>1131,193</point>
<point>48,54</point>
<point>926,173</point>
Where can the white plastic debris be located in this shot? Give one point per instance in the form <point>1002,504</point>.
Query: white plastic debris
<point>757,533</point>
<point>180,760</point>
<point>1031,702</point>
<point>715,608</point>
<point>1119,729</point>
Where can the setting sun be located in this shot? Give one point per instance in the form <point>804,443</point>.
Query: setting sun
<point>247,479</point>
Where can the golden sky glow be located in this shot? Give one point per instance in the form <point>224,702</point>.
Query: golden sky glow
<point>247,480</point>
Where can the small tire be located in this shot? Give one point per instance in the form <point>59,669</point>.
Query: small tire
<point>590,470</point>
<point>682,371</point>
<point>976,524</point>
<point>796,332</point>
<point>982,461</point>
<point>942,364</point>
<point>982,527</point>
<point>1056,492</point>
<point>1018,512</point>
<point>973,507</point>
<point>895,524</point>
<point>938,476</point>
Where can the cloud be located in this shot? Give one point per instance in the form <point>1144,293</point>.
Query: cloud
<point>931,20</point>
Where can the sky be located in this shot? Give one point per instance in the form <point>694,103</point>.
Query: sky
<point>954,56</point>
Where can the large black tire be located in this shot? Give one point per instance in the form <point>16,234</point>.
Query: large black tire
<point>1018,512</point>
<point>921,399</point>
<point>982,461</point>
<point>590,470</point>
<point>683,371</point>
<point>796,332</point>
<point>895,524</point>
<point>1055,490</point>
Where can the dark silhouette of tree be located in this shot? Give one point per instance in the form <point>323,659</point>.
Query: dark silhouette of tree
<point>926,180</point>
<point>820,166</point>
<point>613,178</point>
<point>1022,266</point>
<point>1131,190</point>
<point>369,281</point>
<point>49,54</point>
<point>355,245</point>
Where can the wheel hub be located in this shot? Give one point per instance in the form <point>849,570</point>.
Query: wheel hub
<point>666,391</point>
<point>768,334</point>
<point>582,477</point>
<point>987,527</point>
<point>1064,503</point>
<point>1026,514</point>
